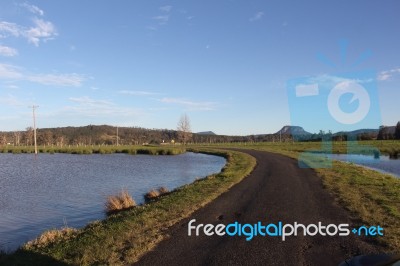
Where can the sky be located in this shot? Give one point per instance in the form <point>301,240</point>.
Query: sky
<point>231,66</point>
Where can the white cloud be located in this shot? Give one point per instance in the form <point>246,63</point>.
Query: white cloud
<point>10,28</point>
<point>151,28</point>
<point>90,102</point>
<point>10,100</point>
<point>387,74</point>
<point>74,80</point>
<point>43,30</point>
<point>166,9</point>
<point>8,51</point>
<point>191,105</point>
<point>257,16</point>
<point>162,19</point>
<point>33,9</point>
<point>138,93</point>
<point>86,106</point>
<point>329,80</point>
<point>10,72</point>
<point>12,86</point>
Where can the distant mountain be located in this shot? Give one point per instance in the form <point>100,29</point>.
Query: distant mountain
<point>359,132</point>
<point>206,133</point>
<point>293,130</point>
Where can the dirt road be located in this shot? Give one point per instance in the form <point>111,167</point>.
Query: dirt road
<point>277,190</point>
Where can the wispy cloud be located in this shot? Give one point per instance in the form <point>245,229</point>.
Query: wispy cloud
<point>256,16</point>
<point>10,100</point>
<point>33,9</point>
<point>190,105</point>
<point>162,19</point>
<point>9,28</point>
<point>86,106</point>
<point>42,30</point>
<point>39,31</point>
<point>332,79</point>
<point>73,79</point>
<point>90,102</point>
<point>10,72</point>
<point>166,9</point>
<point>139,93</point>
<point>8,51</point>
<point>387,74</point>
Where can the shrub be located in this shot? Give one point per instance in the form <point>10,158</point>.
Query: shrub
<point>119,202</point>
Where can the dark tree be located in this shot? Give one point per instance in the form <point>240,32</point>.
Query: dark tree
<point>397,132</point>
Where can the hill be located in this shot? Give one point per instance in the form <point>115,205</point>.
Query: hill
<point>206,133</point>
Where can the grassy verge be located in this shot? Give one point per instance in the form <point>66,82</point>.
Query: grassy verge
<point>371,197</point>
<point>124,237</point>
<point>386,147</point>
<point>150,150</point>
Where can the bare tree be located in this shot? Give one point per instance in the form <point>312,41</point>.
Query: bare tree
<point>3,140</point>
<point>184,129</point>
<point>29,136</point>
<point>17,137</point>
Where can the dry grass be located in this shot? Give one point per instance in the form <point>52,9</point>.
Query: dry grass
<point>155,193</point>
<point>151,195</point>
<point>163,190</point>
<point>119,202</point>
<point>51,236</point>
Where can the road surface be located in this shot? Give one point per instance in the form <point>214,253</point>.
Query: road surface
<point>277,190</point>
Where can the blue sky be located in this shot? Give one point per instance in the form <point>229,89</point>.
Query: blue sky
<point>224,63</point>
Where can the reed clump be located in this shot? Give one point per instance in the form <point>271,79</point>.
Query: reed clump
<point>155,193</point>
<point>119,202</point>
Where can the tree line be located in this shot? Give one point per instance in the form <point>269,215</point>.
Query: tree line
<point>387,133</point>
<point>107,135</point>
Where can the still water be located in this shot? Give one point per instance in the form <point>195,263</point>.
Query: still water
<point>53,190</point>
<point>383,163</point>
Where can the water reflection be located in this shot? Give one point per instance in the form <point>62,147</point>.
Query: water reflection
<point>382,163</point>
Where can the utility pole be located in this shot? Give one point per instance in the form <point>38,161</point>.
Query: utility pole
<point>34,126</point>
<point>117,136</point>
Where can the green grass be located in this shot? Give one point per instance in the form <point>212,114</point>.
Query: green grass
<point>124,237</point>
<point>370,196</point>
<point>150,150</point>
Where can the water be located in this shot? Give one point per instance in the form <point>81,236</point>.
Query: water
<point>51,190</point>
<point>382,164</point>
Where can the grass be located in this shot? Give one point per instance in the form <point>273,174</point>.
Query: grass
<point>51,236</point>
<point>119,202</point>
<point>371,197</point>
<point>122,238</point>
<point>149,150</point>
